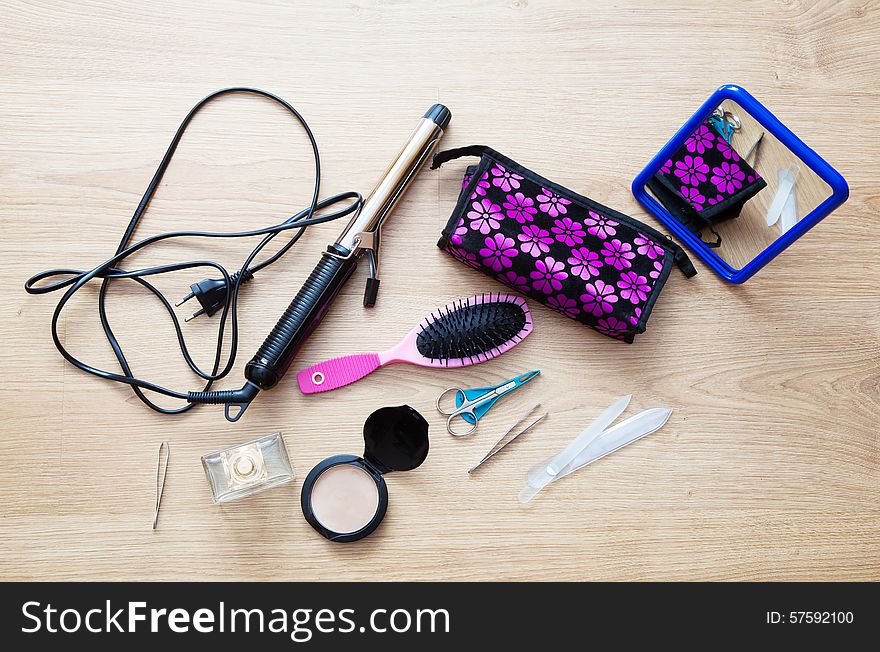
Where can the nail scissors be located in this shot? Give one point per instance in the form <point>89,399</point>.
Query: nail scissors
<point>472,404</point>
<point>725,122</point>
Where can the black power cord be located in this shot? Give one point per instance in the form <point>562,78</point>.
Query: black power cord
<point>213,294</point>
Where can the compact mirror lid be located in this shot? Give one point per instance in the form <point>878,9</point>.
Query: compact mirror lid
<point>395,438</point>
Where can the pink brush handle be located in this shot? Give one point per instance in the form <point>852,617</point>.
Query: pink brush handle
<point>337,372</point>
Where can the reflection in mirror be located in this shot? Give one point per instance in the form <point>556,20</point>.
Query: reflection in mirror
<point>736,185</point>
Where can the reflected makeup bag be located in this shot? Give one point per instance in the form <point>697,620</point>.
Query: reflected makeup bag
<point>705,182</point>
<point>574,255</point>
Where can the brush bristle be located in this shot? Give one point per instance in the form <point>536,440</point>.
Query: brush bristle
<point>471,330</point>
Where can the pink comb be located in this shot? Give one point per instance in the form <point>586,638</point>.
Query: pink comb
<point>465,332</point>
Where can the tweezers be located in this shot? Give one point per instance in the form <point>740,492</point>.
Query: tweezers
<point>499,446</point>
<point>161,472</point>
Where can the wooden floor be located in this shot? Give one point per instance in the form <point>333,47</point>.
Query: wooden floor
<point>769,468</point>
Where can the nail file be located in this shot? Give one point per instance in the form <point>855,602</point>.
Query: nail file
<point>616,437</point>
<point>544,473</point>
<point>788,218</point>
<point>787,178</point>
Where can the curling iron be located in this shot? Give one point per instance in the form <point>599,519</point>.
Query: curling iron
<point>360,236</point>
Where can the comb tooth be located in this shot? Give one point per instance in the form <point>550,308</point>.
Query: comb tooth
<point>481,339</point>
<point>461,348</point>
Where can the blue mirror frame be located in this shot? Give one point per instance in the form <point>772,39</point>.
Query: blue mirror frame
<point>838,185</point>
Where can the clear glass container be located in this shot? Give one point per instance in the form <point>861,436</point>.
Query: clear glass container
<point>248,468</point>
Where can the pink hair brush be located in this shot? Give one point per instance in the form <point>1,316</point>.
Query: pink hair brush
<point>467,331</point>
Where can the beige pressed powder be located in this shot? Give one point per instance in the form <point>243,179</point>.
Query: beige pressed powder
<point>344,498</point>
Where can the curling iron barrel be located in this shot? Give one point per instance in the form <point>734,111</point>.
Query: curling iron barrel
<point>338,262</point>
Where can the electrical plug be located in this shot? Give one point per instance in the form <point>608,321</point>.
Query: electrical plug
<point>211,294</point>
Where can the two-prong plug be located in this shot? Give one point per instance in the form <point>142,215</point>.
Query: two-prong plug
<point>211,294</point>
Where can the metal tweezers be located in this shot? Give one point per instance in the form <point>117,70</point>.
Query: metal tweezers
<point>499,446</point>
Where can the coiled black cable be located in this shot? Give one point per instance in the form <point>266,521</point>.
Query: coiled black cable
<point>109,270</point>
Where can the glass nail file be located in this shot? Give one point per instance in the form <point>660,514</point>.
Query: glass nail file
<point>616,437</point>
<point>544,473</point>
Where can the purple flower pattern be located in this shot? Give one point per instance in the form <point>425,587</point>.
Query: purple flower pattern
<point>481,187</point>
<point>504,178</point>
<point>647,247</point>
<point>693,196</point>
<point>726,150</point>
<point>636,316</point>
<point>552,204</point>
<point>498,251</point>
<point>468,258</point>
<point>599,225</point>
<point>564,304</point>
<point>548,275</point>
<point>701,140</point>
<point>514,280</point>
<point>568,232</point>
<point>691,170</point>
<point>585,264</point>
<point>618,254</point>
<point>633,287</point>
<point>728,177</point>
<point>534,240</point>
<point>520,208</point>
<point>484,216</point>
<point>460,231</point>
<point>599,298</point>
<point>612,327</point>
<point>658,269</point>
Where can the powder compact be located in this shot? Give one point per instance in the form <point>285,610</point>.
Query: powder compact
<point>345,497</point>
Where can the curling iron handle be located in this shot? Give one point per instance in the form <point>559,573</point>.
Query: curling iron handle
<point>302,316</point>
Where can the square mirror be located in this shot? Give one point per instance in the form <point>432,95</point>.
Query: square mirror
<point>736,186</point>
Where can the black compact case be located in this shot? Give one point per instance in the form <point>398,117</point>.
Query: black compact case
<point>395,439</point>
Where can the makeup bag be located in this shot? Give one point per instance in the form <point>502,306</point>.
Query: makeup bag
<point>576,256</point>
<point>705,182</point>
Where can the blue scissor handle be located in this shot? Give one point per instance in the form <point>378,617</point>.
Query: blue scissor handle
<point>471,395</point>
<point>480,409</point>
